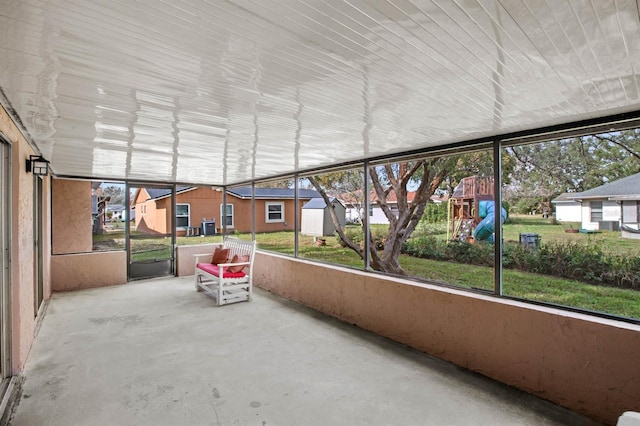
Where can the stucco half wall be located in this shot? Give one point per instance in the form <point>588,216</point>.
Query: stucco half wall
<point>587,364</point>
<point>88,270</point>
<point>185,261</point>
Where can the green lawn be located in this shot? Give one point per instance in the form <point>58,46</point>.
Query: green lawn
<point>542,288</point>
<point>530,286</point>
<point>610,241</point>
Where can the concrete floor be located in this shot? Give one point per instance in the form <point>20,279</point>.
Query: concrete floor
<point>158,353</point>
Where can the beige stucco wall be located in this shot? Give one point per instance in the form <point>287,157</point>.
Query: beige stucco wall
<point>71,221</point>
<point>88,270</point>
<point>23,319</point>
<point>185,262</point>
<point>22,258</point>
<point>586,364</point>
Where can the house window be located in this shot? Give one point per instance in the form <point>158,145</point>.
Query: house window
<point>274,212</point>
<point>596,211</point>
<point>228,217</point>
<point>182,215</point>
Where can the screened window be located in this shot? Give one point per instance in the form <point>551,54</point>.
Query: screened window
<point>596,211</point>
<point>274,212</point>
<point>550,260</point>
<point>108,216</point>
<point>182,215</point>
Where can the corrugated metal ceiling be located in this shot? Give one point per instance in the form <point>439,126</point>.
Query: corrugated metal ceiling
<point>219,92</point>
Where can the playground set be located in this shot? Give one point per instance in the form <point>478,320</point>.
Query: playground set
<point>471,211</point>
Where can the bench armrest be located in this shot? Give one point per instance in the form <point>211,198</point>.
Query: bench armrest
<point>198,256</point>
<point>224,265</point>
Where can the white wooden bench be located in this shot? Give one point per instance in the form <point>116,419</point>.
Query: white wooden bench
<point>226,287</point>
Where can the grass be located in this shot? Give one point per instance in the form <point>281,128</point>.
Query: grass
<point>529,286</point>
<point>540,288</point>
<point>610,241</point>
<point>536,287</point>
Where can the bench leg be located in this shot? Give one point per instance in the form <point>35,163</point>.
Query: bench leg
<point>220,287</point>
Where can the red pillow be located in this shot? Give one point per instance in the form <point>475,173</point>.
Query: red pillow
<point>220,255</point>
<point>238,259</point>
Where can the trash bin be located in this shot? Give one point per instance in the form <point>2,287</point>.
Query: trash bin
<point>530,240</point>
<point>209,227</point>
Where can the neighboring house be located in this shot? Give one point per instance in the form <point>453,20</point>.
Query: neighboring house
<point>99,204</point>
<point>195,205</point>
<point>610,205</point>
<point>316,218</point>
<point>567,210</point>
<point>353,203</point>
<point>118,212</point>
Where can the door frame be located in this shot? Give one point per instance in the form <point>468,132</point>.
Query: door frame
<point>5,257</point>
<point>38,246</point>
<point>128,234</point>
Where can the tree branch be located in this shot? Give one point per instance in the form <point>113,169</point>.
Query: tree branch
<point>334,218</point>
<point>382,193</point>
<point>618,143</point>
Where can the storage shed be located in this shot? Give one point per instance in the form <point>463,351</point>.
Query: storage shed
<point>567,209</point>
<point>316,219</point>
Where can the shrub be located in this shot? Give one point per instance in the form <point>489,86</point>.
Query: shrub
<point>434,213</point>
<point>356,235</point>
<point>583,262</point>
<point>456,251</point>
<point>425,229</point>
<point>525,205</point>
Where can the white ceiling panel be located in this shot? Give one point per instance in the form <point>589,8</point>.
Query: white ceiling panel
<point>221,92</point>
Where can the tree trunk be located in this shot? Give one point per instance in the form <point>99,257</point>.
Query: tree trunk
<point>430,173</point>
<point>334,218</point>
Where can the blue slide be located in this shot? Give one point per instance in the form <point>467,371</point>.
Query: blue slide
<point>485,229</point>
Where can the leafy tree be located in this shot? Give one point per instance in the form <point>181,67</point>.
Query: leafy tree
<point>391,180</point>
<point>115,192</point>
<point>435,213</point>
<point>620,152</point>
<point>347,185</point>
<point>548,169</point>
<point>282,183</point>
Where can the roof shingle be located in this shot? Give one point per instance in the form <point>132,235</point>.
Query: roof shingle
<point>625,187</point>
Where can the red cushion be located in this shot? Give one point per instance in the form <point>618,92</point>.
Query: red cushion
<point>214,270</point>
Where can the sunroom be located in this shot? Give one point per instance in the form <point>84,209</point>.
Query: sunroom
<point>344,99</point>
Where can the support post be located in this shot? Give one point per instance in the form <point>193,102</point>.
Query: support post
<point>497,211</point>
